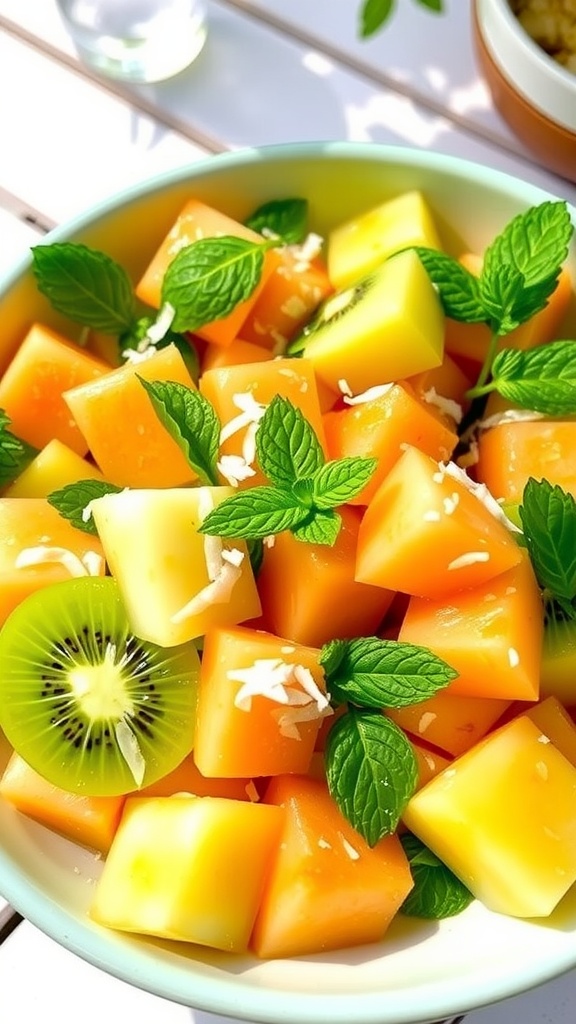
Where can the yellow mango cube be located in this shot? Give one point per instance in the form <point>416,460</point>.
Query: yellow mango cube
<point>356,247</point>
<point>55,466</point>
<point>188,868</point>
<point>174,582</point>
<point>389,328</point>
<point>501,817</point>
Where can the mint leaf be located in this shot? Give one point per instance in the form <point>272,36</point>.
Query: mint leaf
<point>73,500</point>
<point>191,421</point>
<point>286,445</point>
<point>253,513</point>
<point>501,296</point>
<point>371,771</point>
<point>542,379</point>
<point>437,892</point>
<point>548,515</point>
<point>15,454</point>
<point>85,285</point>
<point>433,5</point>
<point>131,339</point>
<point>321,527</point>
<point>338,481</point>
<point>373,16</point>
<point>534,242</point>
<point>255,554</point>
<point>207,279</point>
<point>457,287</point>
<point>379,673</point>
<point>285,218</point>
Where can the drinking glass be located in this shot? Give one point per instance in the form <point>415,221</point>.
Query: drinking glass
<point>136,40</point>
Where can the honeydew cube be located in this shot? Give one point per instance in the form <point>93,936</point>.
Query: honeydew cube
<point>390,328</point>
<point>188,868</point>
<point>502,818</point>
<point>175,583</point>
<point>356,247</point>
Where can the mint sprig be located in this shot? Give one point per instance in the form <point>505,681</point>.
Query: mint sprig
<point>73,501</point>
<point>15,454</point>
<point>192,423</point>
<point>374,14</point>
<point>285,218</point>
<point>207,279</point>
<point>438,893</point>
<point>86,285</point>
<point>371,771</point>
<point>372,672</point>
<point>542,379</point>
<point>548,515</point>
<point>304,488</point>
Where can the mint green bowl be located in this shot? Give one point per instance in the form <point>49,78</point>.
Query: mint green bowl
<point>422,971</point>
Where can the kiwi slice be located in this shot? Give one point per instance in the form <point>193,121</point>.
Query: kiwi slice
<point>329,312</point>
<point>86,703</point>
<point>558,664</point>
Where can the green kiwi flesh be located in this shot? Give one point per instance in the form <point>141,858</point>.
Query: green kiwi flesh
<point>558,663</point>
<point>329,312</point>
<point>88,705</point>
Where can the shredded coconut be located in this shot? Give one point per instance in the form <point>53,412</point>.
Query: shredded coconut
<point>252,793</point>
<point>480,491</point>
<point>369,395</point>
<point>218,591</point>
<point>513,657</point>
<point>45,555</point>
<point>235,469</point>
<point>350,850</point>
<point>446,405</point>
<point>290,685</point>
<point>470,558</point>
<point>509,416</point>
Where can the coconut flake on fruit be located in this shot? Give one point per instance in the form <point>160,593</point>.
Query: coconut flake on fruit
<point>446,405</point>
<point>218,591</point>
<point>479,491</point>
<point>290,685</point>
<point>376,391</point>
<point>90,564</point>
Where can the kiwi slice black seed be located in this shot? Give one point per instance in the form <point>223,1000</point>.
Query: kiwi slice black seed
<point>88,705</point>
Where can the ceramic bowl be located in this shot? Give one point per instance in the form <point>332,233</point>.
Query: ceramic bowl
<point>423,971</point>
<point>534,94</point>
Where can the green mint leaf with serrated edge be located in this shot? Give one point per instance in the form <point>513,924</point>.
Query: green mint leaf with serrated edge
<point>437,892</point>
<point>321,527</point>
<point>15,454</point>
<point>208,279</point>
<point>542,379</point>
<point>255,554</point>
<point>500,296</point>
<point>253,513</point>
<point>338,481</point>
<point>548,515</point>
<point>457,287</point>
<point>86,285</point>
<point>286,445</point>
<point>374,14</point>
<point>376,673</point>
<point>131,339</point>
<point>73,501</point>
<point>285,218</point>
<point>371,771</point>
<point>192,423</point>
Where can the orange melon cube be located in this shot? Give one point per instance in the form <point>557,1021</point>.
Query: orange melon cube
<point>39,547</point>
<point>244,727</point>
<point>491,634</point>
<point>230,388</point>
<point>551,717</point>
<point>125,436</point>
<point>32,386</point>
<point>288,300</point>
<point>299,582</point>
<point>382,427</point>
<point>186,778</point>
<point>448,380</point>
<point>89,820</point>
<point>238,352</point>
<point>425,533</point>
<point>449,722</point>
<point>197,220</point>
<point>510,453</point>
<point>326,888</point>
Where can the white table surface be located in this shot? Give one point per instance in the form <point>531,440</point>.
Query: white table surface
<point>272,71</point>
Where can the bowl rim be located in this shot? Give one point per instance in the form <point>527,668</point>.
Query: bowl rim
<point>224,996</point>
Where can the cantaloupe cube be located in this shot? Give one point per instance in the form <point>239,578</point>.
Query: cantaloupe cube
<point>453,724</point>
<point>236,354</point>
<point>46,365</point>
<point>326,888</point>
<point>298,582</point>
<point>161,563</point>
<point>244,725</point>
<point>425,533</point>
<point>89,820</point>
<point>510,453</point>
<point>491,634</point>
<point>551,717</point>
<point>502,818</point>
<point>230,388</point>
<point>188,868</point>
<point>186,778</point>
<point>125,436</point>
<point>197,220</point>
<point>430,762</point>
<point>39,547</point>
<point>356,247</point>
<point>54,467</point>
<point>394,329</point>
<point>288,300</point>
<point>447,381</point>
<point>382,427</point>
